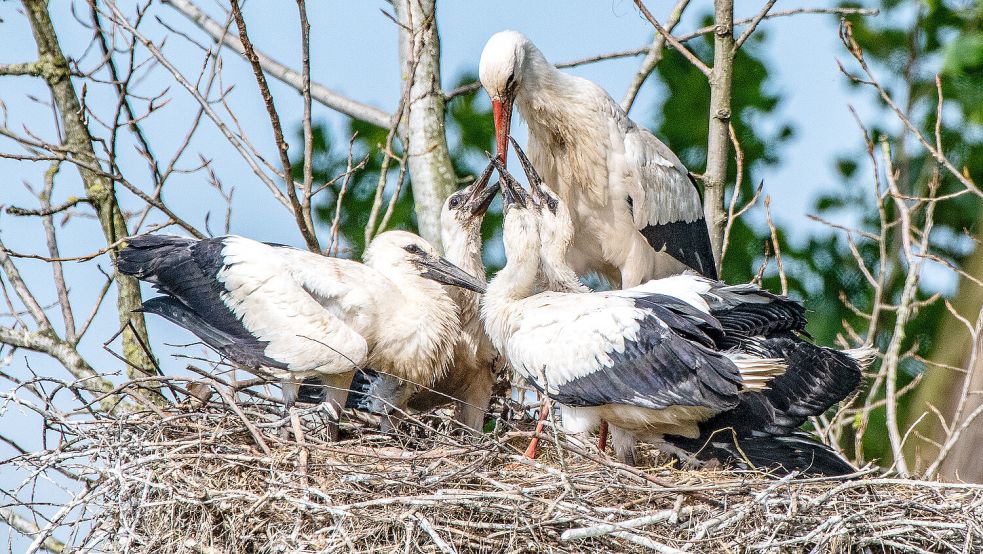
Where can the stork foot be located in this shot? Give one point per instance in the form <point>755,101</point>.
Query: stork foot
<point>686,459</point>
<point>623,443</point>
<point>390,422</point>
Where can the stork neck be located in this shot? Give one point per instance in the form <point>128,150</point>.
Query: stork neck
<point>562,278</point>
<point>544,88</point>
<point>517,280</point>
<point>463,249</point>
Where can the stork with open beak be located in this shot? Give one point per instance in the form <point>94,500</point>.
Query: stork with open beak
<point>292,314</point>
<point>762,430</point>
<point>636,212</point>
<point>644,361</point>
<point>472,372</point>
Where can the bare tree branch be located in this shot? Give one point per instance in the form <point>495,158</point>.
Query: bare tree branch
<point>310,237</point>
<point>29,529</point>
<point>715,176</point>
<point>676,43</point>
<point>653,57</point>
<point>754,24</point>
<point>98,189</point>
<point>321,93</point>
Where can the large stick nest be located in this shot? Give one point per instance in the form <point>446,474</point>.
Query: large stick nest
<point>201,480</point>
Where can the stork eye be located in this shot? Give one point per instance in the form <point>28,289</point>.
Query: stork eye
<point>413,249</point>
<point>509,82</point>
<point>551,203</point>
<point>454,202</point>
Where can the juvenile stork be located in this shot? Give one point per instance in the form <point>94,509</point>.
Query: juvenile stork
<point>472,372</point>
<point>636,212</point>
<point>762,430</point>
<point>294,314</point>
<point>644,361</point>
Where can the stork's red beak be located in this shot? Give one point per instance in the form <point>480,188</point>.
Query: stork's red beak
<point>502,111</point>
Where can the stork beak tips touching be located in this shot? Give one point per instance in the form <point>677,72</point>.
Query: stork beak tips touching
<point>442,271</point>
<point>483,199</point>
<point>481,194</point>
<point>531,175</point>
<point>502,112</point>
<point>512,193</point>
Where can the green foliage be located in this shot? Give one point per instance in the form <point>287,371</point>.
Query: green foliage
<point>471,133</point>
<point>906,48</point>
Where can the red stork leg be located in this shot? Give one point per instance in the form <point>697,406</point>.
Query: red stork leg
<point>531,450</point>
<point>602,437</point>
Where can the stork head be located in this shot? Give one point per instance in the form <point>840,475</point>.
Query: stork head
<point>409,253</point>
<point>520,226</point>
<point>463,210</point>
<point>501,71</point>
<point>555,223</point>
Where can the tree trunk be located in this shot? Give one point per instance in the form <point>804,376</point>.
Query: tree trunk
<point>98,189</point>
<point>718,144</point>
<point>428,159</point>
<point>941,388</point>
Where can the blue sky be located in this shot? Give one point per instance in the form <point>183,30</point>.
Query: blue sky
<point>354,50</point>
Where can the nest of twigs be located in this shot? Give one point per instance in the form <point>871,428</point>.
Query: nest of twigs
<point>213,479</point>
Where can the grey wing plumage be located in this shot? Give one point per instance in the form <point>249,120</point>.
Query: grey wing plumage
<point>185,271</point>
<point>668,364</point>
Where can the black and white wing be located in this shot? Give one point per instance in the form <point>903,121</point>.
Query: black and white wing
<point>258,304</point>
<point>606,348</point>
<point>664,201</point>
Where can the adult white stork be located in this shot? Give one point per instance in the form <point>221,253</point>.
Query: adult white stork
<point>762,430</point>
<point>644,361</point>
<point>636,212</point>
<point>472,372</point>
<point>293,314</point>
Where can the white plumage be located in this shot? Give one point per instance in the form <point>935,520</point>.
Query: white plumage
<point>295,314</point>
<point>636,214</point>
<point>644,361</point>
<point>751,326</point>
<point>472,372</point>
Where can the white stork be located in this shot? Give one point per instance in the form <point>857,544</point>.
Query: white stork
<point>644,361</point>
<point>472,372</point>
<point>636,212</point>
<point>293,314</point>
<point>762,430</point>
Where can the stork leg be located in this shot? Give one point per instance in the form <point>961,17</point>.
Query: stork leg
<point>534,443</point>
<point>623,443</point>
<point>336,387</point>
<point>288,389</point>
<point>471,408</point>
<point>602,437</point>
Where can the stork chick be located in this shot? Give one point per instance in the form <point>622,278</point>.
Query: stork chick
<point>471,374</point>
<point>293,314</point>
<point>636,212</point>
<point>645,362</point>
<point>763,429</point>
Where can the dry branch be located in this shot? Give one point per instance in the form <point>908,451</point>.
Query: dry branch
<point>98,189</point>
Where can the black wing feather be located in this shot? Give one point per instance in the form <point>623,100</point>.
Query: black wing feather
<point>662,367</point>
<point>779,455</point>
<point>186,271</point>
<point>687,242</point>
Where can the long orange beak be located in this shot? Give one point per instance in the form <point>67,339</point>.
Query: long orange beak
<point>502,111</point>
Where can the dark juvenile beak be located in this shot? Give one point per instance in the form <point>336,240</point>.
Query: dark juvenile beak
<point>482,195</point>
<point>502,112</point>
<point>442,271</point>
<point>512,193</point>
<point>535,182</point>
